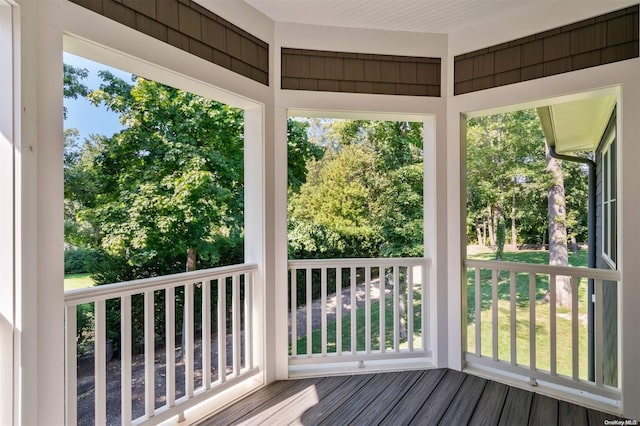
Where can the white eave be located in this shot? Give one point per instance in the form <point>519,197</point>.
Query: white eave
<point>577,126</point>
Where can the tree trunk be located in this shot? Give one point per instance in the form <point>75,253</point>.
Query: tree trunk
<point>479,233</point>
<point>557,229</point>
<point>514,236</point>
<point>191,266</point>
<point>492,235</point>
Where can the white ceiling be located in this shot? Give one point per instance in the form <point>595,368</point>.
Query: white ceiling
<point>424,16</point>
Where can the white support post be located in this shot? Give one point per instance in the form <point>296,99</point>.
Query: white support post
<point>71,366</point>
<point>100,363</point>
<point>206,334</point>
<point>149,355</point>
<point>125,359</point>
<point>170,345</point>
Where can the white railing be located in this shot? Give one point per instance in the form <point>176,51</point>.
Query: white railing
<point>541,340</point>
<point>358,310</point>
<point>214,353</point>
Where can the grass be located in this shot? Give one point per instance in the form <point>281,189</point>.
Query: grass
<point>76,281</point>
<point>316,335</point>
<point>522,320</point>
<point>542,316</point>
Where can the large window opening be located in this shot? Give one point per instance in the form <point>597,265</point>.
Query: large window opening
<point>540,201</point>
<point>154,186</point>
<point>355,198</point>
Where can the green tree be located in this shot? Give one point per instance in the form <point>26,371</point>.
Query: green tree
<point>170,184</point>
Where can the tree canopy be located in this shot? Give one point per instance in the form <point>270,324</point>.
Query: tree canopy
<point>169,182</point>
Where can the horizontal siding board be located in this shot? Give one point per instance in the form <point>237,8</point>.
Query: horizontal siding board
<point>178,39</point>
<point>190,27</point>
<point>316,67</point>
<point>620,30</point>
<point>589,38</point>
<point>620,52</point>
<point>372,70</point>
<point>354,69</point>
<point>389,72</point>
<point>408,72</point>
<point>119,13</point>
<point>221,59</point>
<point>592,42</point>
<point>151,27</point>
<point>463,70</point>
<point>363,73</point>
<point>189,21</point>
<point>507,59</point>
<point>201,50</point>
<point>329,85</point>
<point>167,13</point>
<point>145,7</point>
<point>428,73</point>
<point>214,34</point>
<point>586,60</point>
<point>483,65</point>
<point>557,46</point>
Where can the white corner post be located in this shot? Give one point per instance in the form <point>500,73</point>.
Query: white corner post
<point>8,366</point>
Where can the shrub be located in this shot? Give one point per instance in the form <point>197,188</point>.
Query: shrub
<point>77,260</point>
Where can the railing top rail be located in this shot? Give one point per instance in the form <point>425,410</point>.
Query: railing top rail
<point>599,274</point>
<point>358,262</point>
<point>109,291</point>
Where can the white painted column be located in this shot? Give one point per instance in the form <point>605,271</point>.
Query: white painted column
<point>7,236</point>
<point>629,240</point>
<point>48,148</point>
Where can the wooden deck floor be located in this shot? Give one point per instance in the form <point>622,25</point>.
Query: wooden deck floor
<point>427,397</point>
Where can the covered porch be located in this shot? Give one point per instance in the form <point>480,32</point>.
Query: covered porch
<point>404,349</point>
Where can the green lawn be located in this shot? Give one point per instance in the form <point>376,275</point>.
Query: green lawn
<point>316,336</point>
<point>542,310</point>
<point>75,281</point>
<point>542,325</point>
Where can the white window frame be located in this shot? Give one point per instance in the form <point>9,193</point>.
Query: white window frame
<point>609,200</point>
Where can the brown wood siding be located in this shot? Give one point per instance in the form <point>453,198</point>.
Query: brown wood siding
<point>192,28</point>
<point>597,41</point>
<point>360,73</point>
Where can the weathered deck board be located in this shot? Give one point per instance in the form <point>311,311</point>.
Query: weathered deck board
<point>516,408</point>
<point>407,407</point>
<point>430,397</point>
<point>544,411</point>
<point>260,400</point>
<point>489,408</point>
<point>350,408</point>
<point>465,401</point>
<point>322,409</point>
<point>292,408</point>
<point>570,414</point>
<point>436,405</point>
<point>385,401</point>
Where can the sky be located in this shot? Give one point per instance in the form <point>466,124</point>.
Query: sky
<point>81,114</point>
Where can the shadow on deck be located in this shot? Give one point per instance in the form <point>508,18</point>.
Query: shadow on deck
<point>427,397</point>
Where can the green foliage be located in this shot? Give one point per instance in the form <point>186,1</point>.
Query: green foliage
<point>73,87</point>
<point>363,198</point>
<point>299,151</point>
<point>78,260</point>
<point>506,176</point>
<point>171,180</point>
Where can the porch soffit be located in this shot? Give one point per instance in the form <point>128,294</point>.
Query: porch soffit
<point>420,16</point>
<point>577,126</point>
